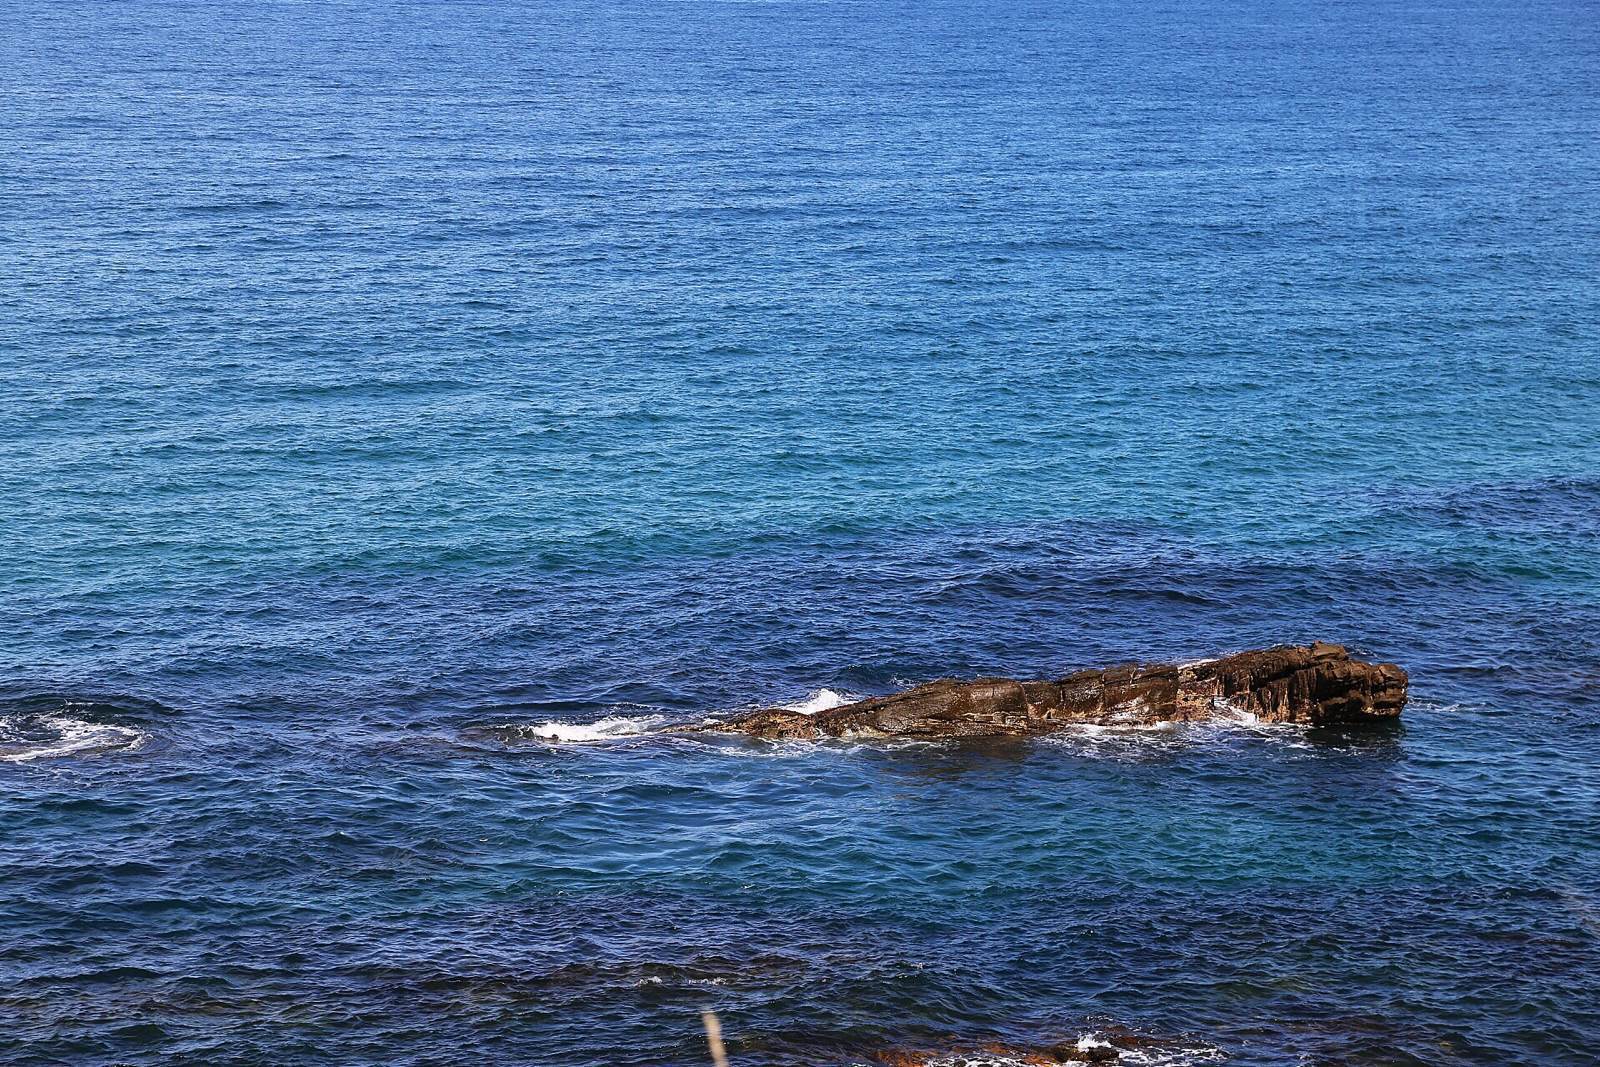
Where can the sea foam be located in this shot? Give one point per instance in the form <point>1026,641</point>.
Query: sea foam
<point>821,700</point>
<point>25,738</point>
<point>575,733</point>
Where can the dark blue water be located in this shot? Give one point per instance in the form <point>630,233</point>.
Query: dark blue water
<point>389,388</point>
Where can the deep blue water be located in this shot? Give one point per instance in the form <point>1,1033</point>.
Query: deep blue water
<point>387,386</point>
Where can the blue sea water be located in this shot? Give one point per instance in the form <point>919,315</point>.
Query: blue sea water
<point>406,405</point>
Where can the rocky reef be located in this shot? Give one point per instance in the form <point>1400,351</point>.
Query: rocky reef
<point>1314,685</point>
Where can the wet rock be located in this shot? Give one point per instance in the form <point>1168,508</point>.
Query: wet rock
<point>1313,685</point>
<point>1091,1054</point>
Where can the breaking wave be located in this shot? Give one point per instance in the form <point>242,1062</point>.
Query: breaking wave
<point>821,700</point>
<point>30,736</point>
<point>557,731</point>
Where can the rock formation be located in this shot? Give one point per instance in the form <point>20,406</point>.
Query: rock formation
<point>1314,685</point>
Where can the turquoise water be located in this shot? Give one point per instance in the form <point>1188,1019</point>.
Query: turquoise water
<point>392,388</point>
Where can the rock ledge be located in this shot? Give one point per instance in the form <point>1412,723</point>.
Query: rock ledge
<point>1314,685</point>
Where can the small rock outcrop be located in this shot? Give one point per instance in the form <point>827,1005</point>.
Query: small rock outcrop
<point>1104,1045</point>
<point>1313,685</point>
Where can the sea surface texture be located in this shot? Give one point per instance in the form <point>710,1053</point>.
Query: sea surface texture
<point>405,406</point>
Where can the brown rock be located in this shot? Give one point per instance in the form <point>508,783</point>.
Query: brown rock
<point>1314,685</point>
<point>1071,1053</point>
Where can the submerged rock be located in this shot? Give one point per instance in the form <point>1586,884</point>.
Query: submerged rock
<point>1313,685</point>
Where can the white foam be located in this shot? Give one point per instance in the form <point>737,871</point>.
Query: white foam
<point>579,733</point>
<point>821,700</point>
<point>1114,731</point>
<point>1131,740</point>
<point>35,737</point>
<point>1160,1055</point>
<point>1180,1056</point>
<point>1227,711</point>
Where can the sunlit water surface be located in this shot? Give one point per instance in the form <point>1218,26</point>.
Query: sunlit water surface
<point>408,406</point>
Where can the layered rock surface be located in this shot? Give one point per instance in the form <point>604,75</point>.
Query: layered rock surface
<point>1314,685</point>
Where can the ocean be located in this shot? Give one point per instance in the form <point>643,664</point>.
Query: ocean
<point>409,406</point>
